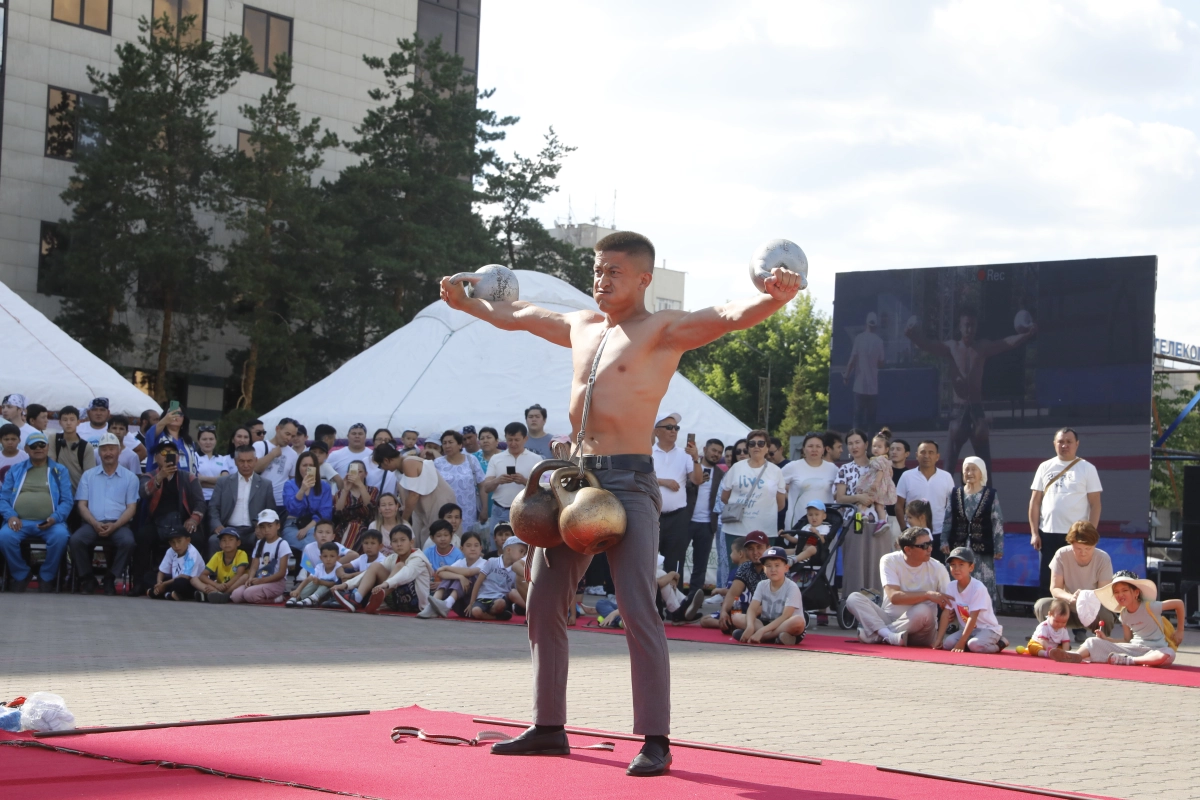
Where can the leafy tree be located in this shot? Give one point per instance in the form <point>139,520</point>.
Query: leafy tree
<point>277,267</point>
<point>134,230</point>
<point>410,201</point>
<point>1166,477</point>
<point>795,342</point>
<point>514,186</point>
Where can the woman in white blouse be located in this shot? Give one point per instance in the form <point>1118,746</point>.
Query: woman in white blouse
<point>756,485</point>
<point>810,478</point>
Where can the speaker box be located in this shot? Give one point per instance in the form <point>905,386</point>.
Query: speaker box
<point>1190,569</point>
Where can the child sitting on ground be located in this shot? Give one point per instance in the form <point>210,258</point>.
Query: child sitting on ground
<point>400,580</point>
<point>808,539</point>
<point>680,608</point>
<point>737,555</point>
<point>228,569</point>
<point>494,594</point>
<point>371,543</point>
<point>1148,639</point>
<point>324,576</point>
<point>268,565</point>
<point>456,581</point>
<point>500,534</point>
<point>776,610</point>
<point>978,629</point>
<point>323,532</point>
<point>441,551</point>
<point>1051,633</point>
<point>179,566</point>
<point>452,513</point>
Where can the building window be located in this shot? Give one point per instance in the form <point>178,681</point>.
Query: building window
<point>457,22</point>
<point>244,146</point>
<point>50,271</point>
<point>176,10</point>
<point>666,304</point>
<point>66,135</point>
<point>95,15</point>
<point>270,35</point>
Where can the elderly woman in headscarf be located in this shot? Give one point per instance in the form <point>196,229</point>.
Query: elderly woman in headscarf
<point>974,520</point>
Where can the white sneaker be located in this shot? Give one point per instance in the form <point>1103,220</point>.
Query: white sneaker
<point>427,612</point>
<point>893,638</point>
<point>1120,659</point>
<point>439,607</point>
<point>597,591</point>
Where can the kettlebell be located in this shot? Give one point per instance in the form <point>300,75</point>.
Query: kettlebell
<point>535,511</point>
<point>592,519</point>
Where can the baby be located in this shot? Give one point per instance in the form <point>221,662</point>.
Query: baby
<point>878,484</point>
<point>1051,633</point>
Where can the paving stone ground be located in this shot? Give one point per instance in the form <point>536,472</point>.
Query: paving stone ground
<point>128,661</point>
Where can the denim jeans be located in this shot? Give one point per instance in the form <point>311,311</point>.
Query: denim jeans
<point>55,537</point>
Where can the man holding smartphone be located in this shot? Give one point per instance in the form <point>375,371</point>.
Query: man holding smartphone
<point>172,501</point>
<point>702,522</point>
<point>674,467</point>
<point>508,472</point>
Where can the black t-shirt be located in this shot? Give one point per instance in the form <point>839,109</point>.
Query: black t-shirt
<point>896,473</point>
<point>168,502</point>
<point>748,575</point>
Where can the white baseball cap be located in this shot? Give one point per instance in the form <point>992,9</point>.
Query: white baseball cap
<point>107,439</point>
<point>675,415</point>
<point>267,515</point>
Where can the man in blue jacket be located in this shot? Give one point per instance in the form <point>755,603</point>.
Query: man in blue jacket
<point>34,502</point>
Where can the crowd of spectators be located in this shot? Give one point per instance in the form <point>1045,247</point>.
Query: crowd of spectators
<point>422,525</point>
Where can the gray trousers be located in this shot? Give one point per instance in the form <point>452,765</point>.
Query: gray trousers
<point>981,641</point>
<point>84,540</point>
<point>633,562</point>
<point>919,621</point>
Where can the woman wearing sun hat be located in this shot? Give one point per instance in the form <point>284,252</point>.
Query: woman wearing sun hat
<point>1148,638</point>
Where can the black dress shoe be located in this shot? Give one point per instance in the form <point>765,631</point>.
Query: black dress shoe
<point>19,587</point>
<point>652,760</point>
<point>110,587</point>
<point>45,587</point>
<point>532,743</point>
<point>87,585</point>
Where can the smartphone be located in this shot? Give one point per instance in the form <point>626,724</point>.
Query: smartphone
<point>512,470</point>
<point>171,409</point>
<point>691,438</point>
<point>170,458</point>
<point>312,471</point>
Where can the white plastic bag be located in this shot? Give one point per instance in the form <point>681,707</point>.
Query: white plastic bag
<point>44,711</point>
<point>1087,607</point>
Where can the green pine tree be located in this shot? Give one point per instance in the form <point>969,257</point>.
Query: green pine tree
<point>135,200</point>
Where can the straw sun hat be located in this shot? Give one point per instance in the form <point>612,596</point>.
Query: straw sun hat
<point>1147,588</point>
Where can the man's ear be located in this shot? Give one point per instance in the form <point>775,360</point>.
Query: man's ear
<point>647,276</point>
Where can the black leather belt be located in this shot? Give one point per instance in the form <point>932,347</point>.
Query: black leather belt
<point>634,462</point>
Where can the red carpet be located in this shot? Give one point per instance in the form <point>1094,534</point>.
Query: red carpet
<point>846,644</point>
<point>356,755</point>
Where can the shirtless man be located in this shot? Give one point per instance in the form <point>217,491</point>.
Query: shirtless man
<point>639,358</point>
<point>966,358</point>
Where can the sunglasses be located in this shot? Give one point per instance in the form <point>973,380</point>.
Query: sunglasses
<point>925,546</point>
<point>207,429</point>
<point>37,446</point>
<point>757,443</point>
<point>741,452</point>
<point>669,427</point>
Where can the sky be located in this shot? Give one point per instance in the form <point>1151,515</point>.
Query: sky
<point>876,135</point>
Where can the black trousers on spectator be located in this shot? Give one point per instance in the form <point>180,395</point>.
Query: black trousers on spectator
<point>148,550</point>
<point>182,584</point>
<point>673,539</point>
<point>1051,544</point>
<point>701,536</point>
<point>118,547</point>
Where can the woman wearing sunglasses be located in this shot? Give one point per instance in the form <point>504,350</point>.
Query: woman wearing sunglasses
<point>752,491</point>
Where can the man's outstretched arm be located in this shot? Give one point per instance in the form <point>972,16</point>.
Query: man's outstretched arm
<point>515,316</point>
<point>697,328</point>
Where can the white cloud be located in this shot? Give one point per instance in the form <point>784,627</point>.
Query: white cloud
<point>876,135</point>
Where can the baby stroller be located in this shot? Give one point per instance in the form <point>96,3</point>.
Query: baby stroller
<point>817,577</point>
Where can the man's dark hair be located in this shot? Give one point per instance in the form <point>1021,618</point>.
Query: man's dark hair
<point>370,534</point>
<point>455,435</point>
<point>830,438</point>
<point>489,429</point>
<point>775,440</point>
<point>324,430</point>
<point>447,508</point>
<point>254,422</point>
<point>68,410</point>
<point>382,451</point>
<point>440,525</point>
<point>401,528</point>
<point>246,448</point>
<point>513,428</point>
<point>319,445</point>
<point>35,410</point>
<point>332,546</point>
<point>910,536</point>
<point>907,448</point>
<point>8,429</point>
<point>1071,431</point>
<point>144,419</point>
<point>628,242</point>
<point>929,441</point>
<point>716,442</point>
<point>118,419</point>
<point>323,521</point>
<point>536,407</point>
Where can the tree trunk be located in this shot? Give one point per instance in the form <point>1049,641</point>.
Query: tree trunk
<point>164,351</point>
<point>250,369</point>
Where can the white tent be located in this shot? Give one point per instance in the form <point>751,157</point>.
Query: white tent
<point>49,367</point>
<point>446,369</point>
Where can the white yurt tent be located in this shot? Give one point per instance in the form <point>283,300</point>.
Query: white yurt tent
<point>49,367</point>
<point>446,369</point>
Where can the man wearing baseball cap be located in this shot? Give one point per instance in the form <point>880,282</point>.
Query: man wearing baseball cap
<point>13,410</point>
<point>748,576</point>
<point>35,500</point>
<point>172,499</point>
<point>107,500</point>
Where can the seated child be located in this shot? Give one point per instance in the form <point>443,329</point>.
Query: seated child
<point>978,629</point>
<point>323,532</point>
<point>500,534</point>
<point>441,552</point>
<point>679,607</point>
<point>776,611</point>
<point>324,576</point>
<point>452,513</point>
<point>227,569</point>
<point>808,539</point>
<point>268,564</point>
<point>737,555</point>
<point>1148,639</point>
<point>400,580</point>
<point>493,596</point>
<point>456,580</point>
<point>370,542</point>
<point>1051,633</point>
<point>181,563</point>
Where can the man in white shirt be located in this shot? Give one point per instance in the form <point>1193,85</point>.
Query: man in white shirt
<point>278,465</point>
<point>866,357</point>
<point>13,410</point>
<point>96,425</point>
<point>238,499</point>
<point>927,483</point>
<point>508,472</point>
<point>914,588</point>
<point>355,450</point>
<point>673,467</point>
<point>1066,489</point>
